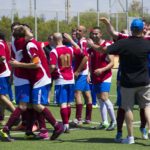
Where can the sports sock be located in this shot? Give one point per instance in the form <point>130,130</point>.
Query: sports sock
<point>110,110</point>
<point>64,115</point>
<point>49,117</point>
<point>13,117</point>
<point>88,112</point>
<point>79,111</point>
<point>41,120</point>
<point>103,111</point>
<point>69,111</point>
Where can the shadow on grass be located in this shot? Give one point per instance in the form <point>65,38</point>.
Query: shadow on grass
<point>36,140</point>
<point>92,140</point>
<point>142,144</point>
<point>104,141</point>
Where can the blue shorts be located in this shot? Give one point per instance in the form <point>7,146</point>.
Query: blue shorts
<point>40,95</point>
<point>64,93</point>
<point>4,85</point>
<point>93,94</point>
<point>102,87</point>
<point>22,93</point>
<point>81,83</point>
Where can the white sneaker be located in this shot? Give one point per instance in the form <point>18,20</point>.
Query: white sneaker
<point>128,140</point>
<point>76,123</point>
<point>144,133</point>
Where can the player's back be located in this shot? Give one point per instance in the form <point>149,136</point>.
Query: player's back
<point>64,62</point>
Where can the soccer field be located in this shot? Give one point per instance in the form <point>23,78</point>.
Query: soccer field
<point>84,138</point>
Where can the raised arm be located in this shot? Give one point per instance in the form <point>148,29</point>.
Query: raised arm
<point>110,29</point>
<point>69,38</point>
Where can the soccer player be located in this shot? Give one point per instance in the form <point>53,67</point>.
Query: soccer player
<point>74,35</point>
<point>81,77</point>
<point>61,68</point>
<point>134,74</point>
<point>9,78</point>
<point>101,75</point>
<point>120,113</point>
<point>5,73</point>
<point>39,79</point>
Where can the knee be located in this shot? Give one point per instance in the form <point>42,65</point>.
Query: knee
<point>38,108</point>
<point>23,107</point>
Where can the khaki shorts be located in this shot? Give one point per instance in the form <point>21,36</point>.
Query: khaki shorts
<point>129,95</point>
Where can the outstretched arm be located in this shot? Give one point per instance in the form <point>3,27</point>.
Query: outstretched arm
<point>95,46</point>
<point>110,28</point>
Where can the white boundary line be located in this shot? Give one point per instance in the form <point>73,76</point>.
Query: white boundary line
<point>136,124</point>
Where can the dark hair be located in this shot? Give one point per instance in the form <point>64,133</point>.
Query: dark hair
<point>97,28</point>
<point>19,32</point>
<point>14,24</point>
<point>63,36</point>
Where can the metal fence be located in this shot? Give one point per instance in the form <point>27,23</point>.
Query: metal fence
<point>92,17</point>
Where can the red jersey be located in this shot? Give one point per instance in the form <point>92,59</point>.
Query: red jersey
<point>40,76</point>
<point>77,60</point>
<point>99,60</point>
<point>62,57</point>
<point>18,50</point>
<point>122,36</point>
<point>4,67</point>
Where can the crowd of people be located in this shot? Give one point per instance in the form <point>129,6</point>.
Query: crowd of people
<point>78,67</point>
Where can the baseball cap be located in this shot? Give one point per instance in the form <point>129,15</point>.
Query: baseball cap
<point>137,24</point>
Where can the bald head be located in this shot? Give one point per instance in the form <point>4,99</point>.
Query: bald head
<point>57,37</point>
<point>82,28</point>
<point>81,32</point>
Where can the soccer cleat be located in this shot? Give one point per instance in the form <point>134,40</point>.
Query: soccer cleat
<point>5,136</point>
<point>118,137</point>
<point>144,133</point>
<point>128,140</point>
<point>102,125</point>
<point>30,135</point>
<point>59,129</point>
<point>43,136</point>
<point>111,127</point>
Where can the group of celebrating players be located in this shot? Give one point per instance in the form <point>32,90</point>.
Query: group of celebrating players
<point>75,64</point>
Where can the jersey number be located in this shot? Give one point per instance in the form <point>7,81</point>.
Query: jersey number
<point>65,60</point>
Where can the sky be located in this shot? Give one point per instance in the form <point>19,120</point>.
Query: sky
<point>49,7</point>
